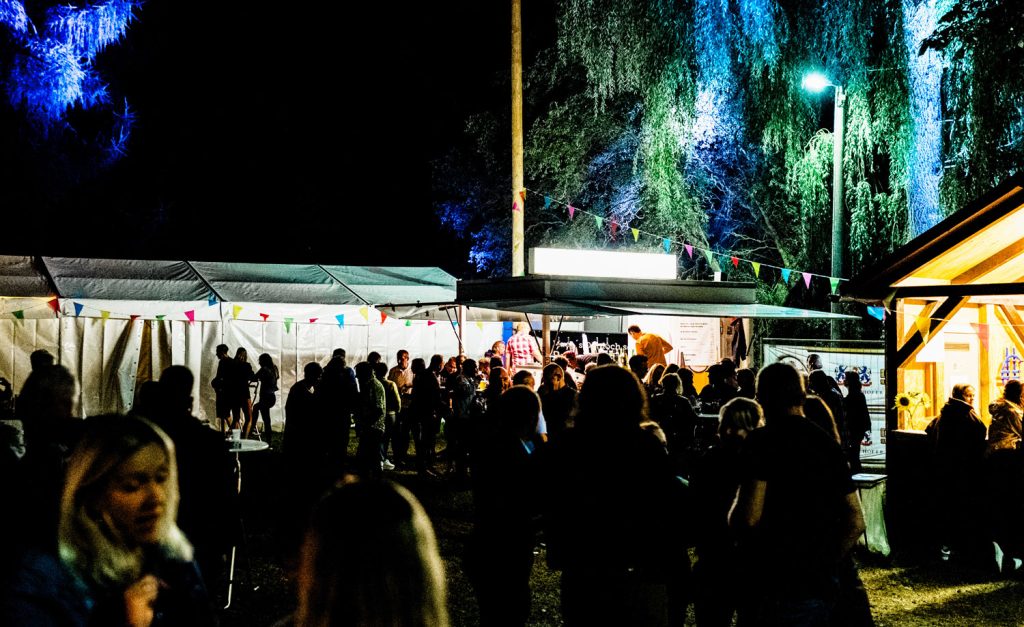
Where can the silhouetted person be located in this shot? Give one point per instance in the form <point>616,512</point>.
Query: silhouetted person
<point>267,376</point>
<point>220,385</point>
<point>858,420</point>
<point>675,415</point>
<point>304,455</point>
<point>424,412</point>
<point>557,399</point>
<point>40,359</point>
<point>371,407</point>
<point>337,396</point>
<point>1004,476</point>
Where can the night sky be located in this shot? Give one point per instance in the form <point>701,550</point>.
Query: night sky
<point>268,136</point>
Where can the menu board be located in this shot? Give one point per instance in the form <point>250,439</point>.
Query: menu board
<point>699,340</point>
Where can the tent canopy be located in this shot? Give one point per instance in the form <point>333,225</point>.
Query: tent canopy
<point>180,281</point>
<point>589,297</point>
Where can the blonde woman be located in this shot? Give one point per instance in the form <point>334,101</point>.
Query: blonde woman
<point>121,559</point>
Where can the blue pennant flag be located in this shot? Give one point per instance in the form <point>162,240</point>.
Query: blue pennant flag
<point>877,312</point>
<point>341,320</point>
<point>78,308</point>
<point>212,301</point>
<point>547,201</point>
<point>666,244</point>
<point>785,275</point>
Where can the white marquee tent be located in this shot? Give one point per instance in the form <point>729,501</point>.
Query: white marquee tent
<point>118,323</point>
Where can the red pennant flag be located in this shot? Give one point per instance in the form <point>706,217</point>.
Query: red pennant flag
<point>515,206</point>
<point>735,261</point>
<point>312,320</point>
<point>264,316</point>
<point>191,315</point>
<point>132,317</point>
<point>383,317</point>
<point>430,323</point>
<point>615,228</point>
<point>53,304</point>
<point>522,194</point>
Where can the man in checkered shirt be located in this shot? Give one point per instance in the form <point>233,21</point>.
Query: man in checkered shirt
<point>521,349</point>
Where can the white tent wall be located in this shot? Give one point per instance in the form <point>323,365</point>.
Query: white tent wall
<point>19,339</point>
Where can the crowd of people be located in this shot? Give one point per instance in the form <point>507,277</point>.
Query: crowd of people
<point>126,518</point>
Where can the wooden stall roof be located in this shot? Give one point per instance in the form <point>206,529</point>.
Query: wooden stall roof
<point>977,250</point>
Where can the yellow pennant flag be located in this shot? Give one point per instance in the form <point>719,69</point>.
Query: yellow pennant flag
<point>479,325</point>
<point>636,234</point>
<point>105,315</point>
<point>757,268</point>
<point>237,309</point>
<point>924,326</point>
<point>365,313</point>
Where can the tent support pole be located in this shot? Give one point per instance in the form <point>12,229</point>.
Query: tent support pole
<point>545,329</point>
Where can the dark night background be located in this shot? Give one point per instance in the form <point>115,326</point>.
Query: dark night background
<point>265,135</point>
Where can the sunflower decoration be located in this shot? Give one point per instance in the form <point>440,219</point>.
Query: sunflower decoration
<point>911,402</point>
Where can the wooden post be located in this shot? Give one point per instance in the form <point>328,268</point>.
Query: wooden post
<point>545,329</point>
<point>518,199</point>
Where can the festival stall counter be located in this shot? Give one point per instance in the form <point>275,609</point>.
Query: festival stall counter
<point>952,302</point>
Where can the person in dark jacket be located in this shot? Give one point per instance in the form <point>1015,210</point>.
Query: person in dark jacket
<point>858,420</point>
<point>958,438</point>
<point>267,376</point>
<point>336,394</point>
<point>674,413</point>
<point>1004,477</point>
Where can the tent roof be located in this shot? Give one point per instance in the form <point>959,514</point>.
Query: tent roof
<point>589,297</point>
<point>980,245</point>
<point>136,279</point>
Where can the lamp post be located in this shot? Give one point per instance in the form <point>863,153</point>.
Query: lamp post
<point>816,82</point>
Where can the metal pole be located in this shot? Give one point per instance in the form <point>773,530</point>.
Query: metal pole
<point>837,196</point>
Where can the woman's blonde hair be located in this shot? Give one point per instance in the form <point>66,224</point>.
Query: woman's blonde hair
<point>740,413</point>
<point>89,543</point>
<point>370,558</point>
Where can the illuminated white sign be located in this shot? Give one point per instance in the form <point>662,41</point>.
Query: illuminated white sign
<point>600,263</point>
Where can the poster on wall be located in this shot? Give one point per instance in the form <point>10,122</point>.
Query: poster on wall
<point>699,341</point>
<point>868,363</point>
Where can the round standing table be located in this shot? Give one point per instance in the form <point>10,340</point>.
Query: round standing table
<point>238,447</point>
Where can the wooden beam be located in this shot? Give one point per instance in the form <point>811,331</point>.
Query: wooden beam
<point>942,315</point>
<point>1013,325</point>
<point>985,379</point>
<point>994,261</point>
<point>967,289</point>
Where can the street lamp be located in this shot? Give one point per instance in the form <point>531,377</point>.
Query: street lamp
<point>816,82</point>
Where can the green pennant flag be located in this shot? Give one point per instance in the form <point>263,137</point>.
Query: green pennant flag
<point>408,323</point>
<point>599,221</point>
<point>20,314</point>
<point>288,325</point>
<point>834,282</point>
<point>757,268</point>
<point>710,257</point>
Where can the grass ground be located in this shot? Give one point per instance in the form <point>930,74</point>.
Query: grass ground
<point>902,593</point>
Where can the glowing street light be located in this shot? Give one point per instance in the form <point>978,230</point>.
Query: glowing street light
<point>816,82</point>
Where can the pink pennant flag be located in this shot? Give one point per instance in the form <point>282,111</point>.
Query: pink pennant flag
<point>383,317</point>
<point>191,315</point>
<point>572,211</point>
<point>689,250</point>
<point>735,262</point>
<point>53,304</point>
<point>982,331</point>
<point>515,206</point>
<point>807,279</point>
<point>313,320</point>
<point>264,316</point>
<point>430,323</point>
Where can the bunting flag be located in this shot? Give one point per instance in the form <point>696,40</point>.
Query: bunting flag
<point>160,317</point>
<point>105,315</point>
<point>211,301</point>
<point>288,325</point>
<point>666,243</point>
<point>133,317</point>
<point>572,212</point>
<point>479,325</point>
<point>408,323</point>
<point>365,313</point>
<point>614,229</point>
<point>19,314</point>
<point>807,280</point>
<point>735,262</point>
<point>785,275</point>
<point>515,206</point>
<point>78,308</point>
<point>430,323</point>
<point>710,257</point>
<point>834,282</point>
<point>191,315</point>
<point>878,313</point>
<point>522,195</point>
<point>383,317</point>
<point>982,331</point>
<point>757,268</point>
<point>547,201</point>
<point>313,320</point>
<point>264,316</point>
<point>636,234</point>
<point>53,304</point>
<point>924,326</point>
<point>237,309</point>
<point>341,320</point>
<point>689,250</point>
<point>455,323</point>
<point>599,220</point>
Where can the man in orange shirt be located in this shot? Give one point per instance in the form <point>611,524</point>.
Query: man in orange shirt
<point>650,344</point>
